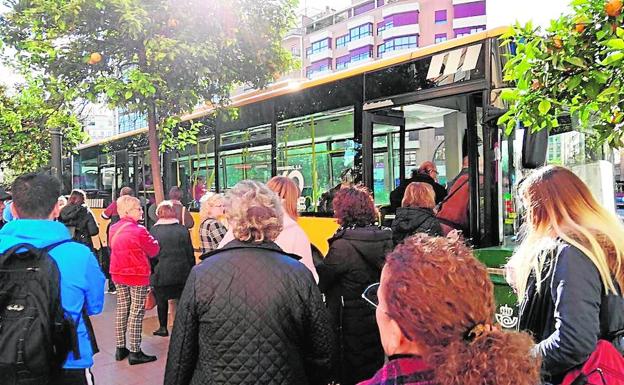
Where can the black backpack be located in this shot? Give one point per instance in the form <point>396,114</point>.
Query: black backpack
<point>35,334</point>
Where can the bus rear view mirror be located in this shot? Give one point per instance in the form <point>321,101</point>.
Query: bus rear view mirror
<point>534,147</point>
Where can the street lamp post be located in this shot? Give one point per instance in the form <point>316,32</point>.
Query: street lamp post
<point>56,164</point>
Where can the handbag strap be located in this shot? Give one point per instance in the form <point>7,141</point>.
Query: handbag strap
<point>112,240</point>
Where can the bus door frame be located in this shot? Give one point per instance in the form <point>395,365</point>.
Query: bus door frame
<point>369,119</point>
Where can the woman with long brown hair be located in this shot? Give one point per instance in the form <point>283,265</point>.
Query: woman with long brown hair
<point>434,309</point>
<point>568,270</point>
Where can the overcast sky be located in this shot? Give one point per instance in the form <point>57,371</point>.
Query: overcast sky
<point>500,12</point>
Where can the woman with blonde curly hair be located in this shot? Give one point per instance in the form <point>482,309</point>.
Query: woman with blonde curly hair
<point>439,331</point>
<point>292,239</point>
<point>568,270</point>
<point>250,313</point>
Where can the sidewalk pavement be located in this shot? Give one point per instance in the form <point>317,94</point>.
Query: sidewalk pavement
<point>107,371</point>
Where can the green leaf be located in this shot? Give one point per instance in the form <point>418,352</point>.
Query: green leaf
<point>609,91</point>
<point>128,95</point>
<point>574,82</point>
<point>615,43</point>
<point>620,32</point>
<point>544,107</point>
<point>614,58</point>
<point>577,61</point>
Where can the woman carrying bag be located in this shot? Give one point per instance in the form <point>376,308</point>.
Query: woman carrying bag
<point>568,271</point>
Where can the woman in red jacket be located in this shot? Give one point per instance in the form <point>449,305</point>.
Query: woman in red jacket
<point>131,247</point>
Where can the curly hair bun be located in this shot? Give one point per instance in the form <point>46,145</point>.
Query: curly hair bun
<point>438,292</point>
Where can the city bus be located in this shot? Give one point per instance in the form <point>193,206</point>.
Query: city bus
<point>379,120</point>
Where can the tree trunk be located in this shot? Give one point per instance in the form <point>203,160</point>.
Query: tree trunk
<point>152,136</point>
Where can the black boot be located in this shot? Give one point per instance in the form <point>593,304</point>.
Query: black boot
<point>121,353</point>
<point>140,358</point>
<point>162,332</point>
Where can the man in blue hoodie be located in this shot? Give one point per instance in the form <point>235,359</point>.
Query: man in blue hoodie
<point>35,206</point>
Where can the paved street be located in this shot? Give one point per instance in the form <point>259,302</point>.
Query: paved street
<point>107,371</point>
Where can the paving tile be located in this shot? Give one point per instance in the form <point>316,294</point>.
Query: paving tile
<point>107,371</point>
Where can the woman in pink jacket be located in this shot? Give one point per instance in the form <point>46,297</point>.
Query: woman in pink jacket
<point>292,239</point>
<point>131,247</point>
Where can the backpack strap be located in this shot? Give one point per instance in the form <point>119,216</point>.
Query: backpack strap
<point>14,250</point>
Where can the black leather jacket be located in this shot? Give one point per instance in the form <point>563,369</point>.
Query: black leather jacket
<point>250,314</point>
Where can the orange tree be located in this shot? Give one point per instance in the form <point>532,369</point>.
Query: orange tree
<point>160,58</point>
<point>26,118</point>
<point>573,67</point>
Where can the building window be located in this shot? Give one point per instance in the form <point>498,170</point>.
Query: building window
<point>468,31</point>
<point>317,46</point>
<point>384,26</point>
<point>396,44</point>
<point>362,55</point>
<point>439,38</point>
<point>343,62</point>
<point>440,17</point>
<point>295,51</point>
<point>361,31</point>
<point>342,41</point>
<point>326,66</point>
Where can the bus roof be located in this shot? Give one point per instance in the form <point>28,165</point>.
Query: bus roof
<point>287,87</point>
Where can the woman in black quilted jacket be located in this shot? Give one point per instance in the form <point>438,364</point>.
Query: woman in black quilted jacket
<point>356,255</point>
<point>173,263</point>
<point>416,213</point>
<point>250,313</point>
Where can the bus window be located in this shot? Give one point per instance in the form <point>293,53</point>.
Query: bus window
<point>245,156</point>
<point>193,171</point>
<point>85,172</point>
<point>315,150</point>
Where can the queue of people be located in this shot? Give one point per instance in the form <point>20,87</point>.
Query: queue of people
<point>402,305</point>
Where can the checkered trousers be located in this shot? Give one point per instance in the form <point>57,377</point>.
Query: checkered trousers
<point>129,317</point>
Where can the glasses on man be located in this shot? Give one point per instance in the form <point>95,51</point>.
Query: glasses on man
<point>370,295</point>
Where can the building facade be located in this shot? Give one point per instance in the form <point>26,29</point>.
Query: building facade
<point>99,122</point>
<point>374,29</point>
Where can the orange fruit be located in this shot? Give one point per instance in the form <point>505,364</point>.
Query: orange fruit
<point>613,8</point>
<point>95,58</point>
<point>557,42</point>
<point>172,23</point>
<point>536,85</point>
<point>579,27</point>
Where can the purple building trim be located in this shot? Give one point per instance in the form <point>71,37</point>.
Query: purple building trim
<point>364,8</point>
<point>361,50</point>
<point>459,31</point>
<point>469,9</point>
<point>438,35</point>
<point>318,64</point>
<point>380,3</point>
<point>440,15</point>
<point>343,59</point>
<point>406,18</point>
